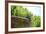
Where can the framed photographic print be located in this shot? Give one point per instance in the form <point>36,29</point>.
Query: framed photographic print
<point>24,16</point>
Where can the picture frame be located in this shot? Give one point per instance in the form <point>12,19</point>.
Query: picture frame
<point>21,3</point>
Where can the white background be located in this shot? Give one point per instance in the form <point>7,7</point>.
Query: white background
<point>2,18</point>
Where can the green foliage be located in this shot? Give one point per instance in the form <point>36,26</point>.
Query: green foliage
<point>13,10</point>
<point>36,21</point>
<point>19,11</point>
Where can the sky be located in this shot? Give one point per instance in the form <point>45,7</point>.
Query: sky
<point>36,10</point>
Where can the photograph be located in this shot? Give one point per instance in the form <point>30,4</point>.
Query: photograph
<point>25,16</point>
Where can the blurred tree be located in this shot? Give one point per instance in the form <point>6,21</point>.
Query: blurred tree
<point>19,11</point>
<point>36,21</point>
<point>12,10</point>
